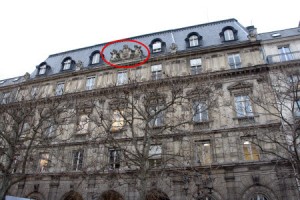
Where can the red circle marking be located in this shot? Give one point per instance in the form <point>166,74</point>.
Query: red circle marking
<point>121,66</point>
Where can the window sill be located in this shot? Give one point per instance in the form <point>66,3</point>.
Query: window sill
<point>202,124</point>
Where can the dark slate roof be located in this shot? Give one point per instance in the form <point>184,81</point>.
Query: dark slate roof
<point>279,34</point>
<point>10,81</point>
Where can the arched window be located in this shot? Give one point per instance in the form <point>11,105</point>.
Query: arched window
<point>67,64</point>
<point>228,35</point>
<point>157,46</point>
<point>258,197</point>
<point>95,58</point>
<point>42,68</point>
<point>193,40</point>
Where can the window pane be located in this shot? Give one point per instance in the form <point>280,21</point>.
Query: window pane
<point>203,152</point>
<point>122,78</point>
<point>60,88</point>
<point>157,46</point>
<point>96,58</point>
<point>42,69</point>
<point>195,62</point>
<point>67,64</point>
<point>90,82</point>
<point>228,34</point>
<point>155,68</point>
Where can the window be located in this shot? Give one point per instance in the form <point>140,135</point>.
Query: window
<point>259,197</point>
<point>5,98</point>
<point>156,71</point>
<point>122,78</point>
<point>50,132</point>
<point>96,58</point>
<point>193,40</point>
<point>228,35</point>
<point>156,116</point>
<point>3,81</point>
<point>155,152</point>
<point>42,69</point>
<point>203,152</point>
<point>90,83</point>
<point>83,124</point>
<point>16,162</point>
<point>250,151</point>
<point>200,112</point>
<point>196,67</point>
<point>34,91</point>
<point>43,162</point>
<point>243,106</point>
<point>118,120</point>
<point>285,53</point>
<point>77,160</point>
<point>114,158</point>
<point>67,64</point>
<point>59,88</point>
<point>156,46</point>
<point>234,61</point>
<point>297,108</point>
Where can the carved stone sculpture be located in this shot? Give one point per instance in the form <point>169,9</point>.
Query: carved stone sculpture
<point>79,65</point>
<point>126,53</point>
<point>173,48</point>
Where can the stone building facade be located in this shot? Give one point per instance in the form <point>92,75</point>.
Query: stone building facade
<point>199,87</point>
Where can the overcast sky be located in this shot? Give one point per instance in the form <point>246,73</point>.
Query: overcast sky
<point>31,30</point>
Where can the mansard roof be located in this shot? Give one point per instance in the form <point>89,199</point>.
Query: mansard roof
<point>285,33</point>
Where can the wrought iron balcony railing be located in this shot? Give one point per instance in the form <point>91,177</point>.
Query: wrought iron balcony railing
<point>283,57</point>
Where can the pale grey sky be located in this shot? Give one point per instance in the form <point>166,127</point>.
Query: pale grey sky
<point>31,30</point>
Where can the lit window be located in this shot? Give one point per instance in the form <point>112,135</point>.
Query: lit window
<point>155,152</point>
<point>118,120</point>
<point>156,71</point>
<point>250,151</point>
<point>193,41</point>
<point>203,152</point>
<point>77,160</point>
<point>114,158</point>
<point>5,98</point>
<point>234,61</point>
<point>285,54</point>
<point>42,70</point>
<point>90,83</point>
<point>196,67</point>
<point>96,58</point>
<point>243,106</point>
<point>83,124</point>
<point>156,46</point>
<point>43,162</point>
<point>156,116</point>
<point>67,64</point>
<point>228,35</point>
<point>59,88</point>
<point>200,112</point>
<point>122,78</point>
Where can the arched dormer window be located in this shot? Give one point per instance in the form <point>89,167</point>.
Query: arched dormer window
<point>95,58</point>
<point>193,40</point>
<point>157,46</point>
<point>67,64</point>
<point>42,69</point>
<point>228,34</point>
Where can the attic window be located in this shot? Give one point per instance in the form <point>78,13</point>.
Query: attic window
<point>1,82</point>
<point>16,79</point>
<point>276,35</point>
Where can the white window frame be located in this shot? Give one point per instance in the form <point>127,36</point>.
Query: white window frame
<point>67,64</point>
<point>200,111</point>
<point>156,71</point>
<point>193,40</point>
<point>234,61</point>
<point>196,65</point>
<point>60,87</point>
<point>285,53</point>
<point>77,159</point>
<point>228,35</point>
<point>42,69</point>
<point>203,152</point>
<point>90,83</point>
<point>157,47</point>
<point>114,158</point>
<point>122,78</point>
<point>155,155</point>
<point>243,106</point>
<point>96,58</point>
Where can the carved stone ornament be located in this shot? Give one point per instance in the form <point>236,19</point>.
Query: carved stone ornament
<point>126,53</point>
<point>26,76</point>
<point>173,48</point>
<point>79,65</point>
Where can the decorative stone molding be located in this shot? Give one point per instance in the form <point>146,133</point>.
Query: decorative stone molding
<point>126,53</point>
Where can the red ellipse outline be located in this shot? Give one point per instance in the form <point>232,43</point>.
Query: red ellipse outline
<point>121,66</point>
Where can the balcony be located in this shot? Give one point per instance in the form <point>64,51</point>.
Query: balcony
<point>277,58</point>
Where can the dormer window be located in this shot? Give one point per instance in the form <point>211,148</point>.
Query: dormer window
<point>42,69</point>
<point>228,33</point>
<point>95,58</point>
<point>67,64</point>
<point>1,82</point>
<point>157,46</point>
<point>193,40</point>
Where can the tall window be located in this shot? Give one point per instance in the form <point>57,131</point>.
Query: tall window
<point>83,124</point>
<point>234,61</point>
<point>67,64</point>
<point>196,67</point>
<point>285,53</point>
<point>193,39</point>
<point>114,158</point>
<point>96,58</point>
<point>118,120</point>
<point>250,151</point>
<point>5,98</point>
<point>122,78</point>
<point>60,88</point>
<point>34,91</point>
<point>297,108</point>
<point>50,131</point>
<point>42,69</point>
<point>228,35</point>
<point>156,46</point>
<point>155,152</point>
<point>43,162</point>
<point>156,116</point>
<point>77,160</point>
<point>203,152</point>
<point>243,106</point>
<point>90,83</point>
<point>200,112</point>
<point>156,71</point>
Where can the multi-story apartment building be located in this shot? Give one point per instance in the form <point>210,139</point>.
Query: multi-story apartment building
<point>187,124</point>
